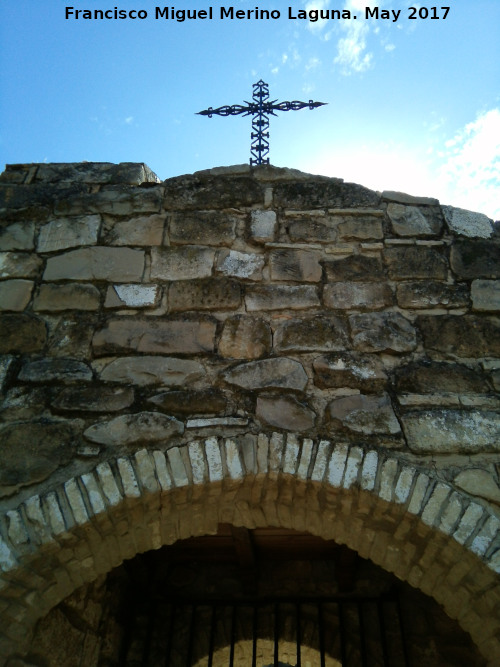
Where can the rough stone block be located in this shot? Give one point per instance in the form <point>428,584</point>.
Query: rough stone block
<point>64,233</point>
<point>132,296</point>
<point>479,482</point>
<point>72,335</point>
<point>146,370</point>
<point>59,370</point>
<point>355,268</point>
<point>185,263</point>
<point>18,236</point>
<point>276,373</point>
<point>203,228</point>
<point>467,223</point>
<point>99,173</point>
<point>433,377</point>
<point>319,192</point>
<point>485,295</point>
<point>93,398</point>
<point>464,336</point>
<point>429,294</point>
<point>112,199</point>
<point>237,264</point>
<point>296,265</point>
<point>197,461</point>
<point>365,414</point>
<point>475,259</point>
<point>415,262</point>
<point>378,332</point>
<point>404,198</point>
<point>245,337</point>
<point>184,402</point>
<point>97,263</point>
<point>355,296</point>
<point>263,226</point>
<point>349,370</point>
<point>54,297</point>
<point>201,192</point>
<point>146,427</point>
<point>15,294</point>
<point>414,220</point>
<point>313,228</point>
<point>19,265</point>
<point>209,294</point>
<point>318,333</point>
<point>144,230</point>
<point>360,228</point>
<point>21,333</point>
<point>286,413</point>
<point>281,297</point>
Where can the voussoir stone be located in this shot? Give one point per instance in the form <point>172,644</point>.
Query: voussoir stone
<point>277,372</point>
<point>55,297</point>
<point>414,220</point>
<point>464,336</point>
<point>97,263</point>
<point>48,370</point>
<point>147,427</point>
<point>414,262</point>
<point>167,371</point>
<point>379,332</point>
<point>285,412</point>
<point>245,337</point>
<point>93,398</point>
<point>64,233</point>
<point>182,336</point>
<point>314,334</point>
<point>20,332</point>
<point>349,370</point>
<point>365,414</point>
<point>296,265</point>
<point>184,263</point>
<point>352,295</point>
<point>208,294</point>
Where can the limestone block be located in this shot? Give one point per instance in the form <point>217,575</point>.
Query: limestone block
<point>210,422</point>
<point>318,333</point>
<point>362,268</point>
<point>469,522</point>
<point>202,192</point>
<point>21,333</point>
<point>147,427</point>
<point>214,460</point>
<point>54,297</point>
<point>245,337</point>
<point>233,461</point>
<point>209,294</point>
<point>59,370</point>
<point>146,470</point>
<point>144,230</point>
<point>132,296</point>
<point>369,471</point>
<point>361,228</point>
<point>355,296</point>
<point>429,294</point>
<point>15,294</point>
<point>415,262</point>
<point>18,236</point>
<point>485,295</point>
<point>378,332</point>
<point>365,414</point>
<point>132,173</point>
<point>418,494</point>
<point>277,372</point>
<point>168,336</point>
<point>22,403</point>
<point>162,473</point>
<point>475,259</point>
<point>94,494</point>
<point>72,335</point>
<point>479,482</point>
<point>19,265</point>
<point>146,370</point>
<point>93,399</point>
<point>203,228</point>
<point>64,233</point>
<point>439,378</point>
<point>76,502</point>
<point>263,226</point>
<point>237,264</point>
<point>349,370</point>
<point>319,192</point>
<point>434,505</point>
<point>112,199</point>
<point>96,263</point>
<point>305,459</point>
<point>465,336</point>
<point>321,462</point>
<point>128,479</point>
<point>467,223</point>
<point>403,485</point>
<point>6,368</point>
<point>403,198</point>
<point>285,412</point>
<point>337,464</point>
<point>387,479</point>
<point>281,297</point>
<point>197,460</point>
<point>313,228</point>
<point>296,265</point>
<point>184,263</point>
<point>452,431</point>
<point>206,402</point>
<point>292,455</point>
<point>414,220</point>
<point>179,474</point>
<point>108,484</point>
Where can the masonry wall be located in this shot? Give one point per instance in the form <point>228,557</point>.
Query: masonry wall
<point>239,304</point>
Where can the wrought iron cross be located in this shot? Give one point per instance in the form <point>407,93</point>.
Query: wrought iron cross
<point>260,109</point>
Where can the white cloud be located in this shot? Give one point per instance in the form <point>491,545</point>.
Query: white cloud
<point>351,50</point>
<point>129,119</point>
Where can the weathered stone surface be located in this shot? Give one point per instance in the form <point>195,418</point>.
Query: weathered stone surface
<point>280,297</point>
<point>433,377</point>
<point>240,264</point>
<point>142,427</point>
<point>72,335</point>
<point>370,415</point>
<point>464,336</point>
<point>379,332</point>
<point>360,228</point>
<point>146,230</point>
<point>318,192</point>
<point>349,370</point>
<point>428,294</point>
<point>245,337</point>
<point>206,402</point>
<point>351,295</point>
<point>485,295</point>
<point>262,226</point>
<point>167,371</point>
<point>285,412</point>
<point>414,220</point>
<point>182,336</point>
<point>98,173</point>
<point>15,294</point>
<point>46,445</point>
<point>59,370</point>
<point>18,236</point>
<point>467,223</point>
<point>64,233</point>
<point>403,198</point>
<point>278,372</point>
<point>355,267</point>
<point>97,263</point>
<point>132,296</point>
<point>54,297</point>
<point>23,403</point>
<point>185,263</point>
<point>19,265</point>
<point>312,228</point>
<point>475,259</point>
<point>21,333</point>
<point>203,192</point>
<point>38,194</point>
<point>480,483</point>
<point>93,398</point>
<point>452,431</point>
<point>203,227</point>
<point>210,294</point>
<point>297,265</point>
<point>413,262</point>
<point>112,199</point>
<point>318,333</point>
<point>7,365</point>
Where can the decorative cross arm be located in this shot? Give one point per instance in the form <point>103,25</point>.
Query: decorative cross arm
<point>260,109</point>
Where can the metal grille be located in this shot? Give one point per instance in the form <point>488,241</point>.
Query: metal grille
<point>326,632</point>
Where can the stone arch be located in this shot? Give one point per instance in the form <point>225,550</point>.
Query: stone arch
<point>396,513</point>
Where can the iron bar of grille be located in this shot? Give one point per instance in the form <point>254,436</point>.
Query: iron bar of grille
<point>402,632</point>
<point>276,634</point>
<point>149,632</point>
<point>233,635</point>
<point>168,650</point>
<point>383,631</point>
<point>321,625</point>
<point>190,636</point>
<point>254,635</point>
<point>362,635</point>
<point>298,635</point>
<point>343,648</point>
<point>211,645</point>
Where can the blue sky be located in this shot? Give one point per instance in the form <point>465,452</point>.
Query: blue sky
<point>413,105</point>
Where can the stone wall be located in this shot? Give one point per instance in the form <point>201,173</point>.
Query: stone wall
<point>242,322</point>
